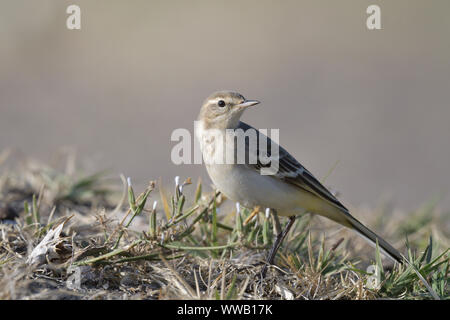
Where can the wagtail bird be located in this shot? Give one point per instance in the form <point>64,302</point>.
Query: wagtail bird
<point>290,191</point>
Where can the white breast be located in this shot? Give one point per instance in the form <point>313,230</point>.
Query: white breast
<point>245,185</point>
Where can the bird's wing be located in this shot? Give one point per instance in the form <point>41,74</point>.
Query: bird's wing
<point>290,170</point>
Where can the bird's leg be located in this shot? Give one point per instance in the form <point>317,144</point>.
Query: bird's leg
<point>276,245</point>
<point>276,222</point>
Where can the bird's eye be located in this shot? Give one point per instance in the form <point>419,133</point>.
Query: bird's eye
<point>221,103</point>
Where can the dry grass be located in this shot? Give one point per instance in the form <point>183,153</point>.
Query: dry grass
<point>192,245</point>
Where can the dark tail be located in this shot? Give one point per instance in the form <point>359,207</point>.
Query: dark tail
<point>372,238</point>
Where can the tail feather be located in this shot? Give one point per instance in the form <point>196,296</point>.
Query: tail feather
<point>346,219</point>
<point>342,216</point>
<point>372,238</point>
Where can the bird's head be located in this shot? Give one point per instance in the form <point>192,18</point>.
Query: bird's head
<point>222,109</point>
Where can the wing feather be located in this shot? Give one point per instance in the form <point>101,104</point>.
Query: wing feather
<point>291,171</point>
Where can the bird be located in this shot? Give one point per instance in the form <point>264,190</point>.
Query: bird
<point>289,191</point>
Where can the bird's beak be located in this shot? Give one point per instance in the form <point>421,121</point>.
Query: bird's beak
<point>247,103</point>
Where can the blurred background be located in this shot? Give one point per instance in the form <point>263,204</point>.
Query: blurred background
<point>376,101</point>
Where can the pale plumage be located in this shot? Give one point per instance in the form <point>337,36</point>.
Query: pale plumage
<point>292,190</point>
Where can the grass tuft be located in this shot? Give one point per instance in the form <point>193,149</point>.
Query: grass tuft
<point>194,246</point>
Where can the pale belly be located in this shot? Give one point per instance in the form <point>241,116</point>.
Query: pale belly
<point>248,187</point>
<point>251,189</point>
